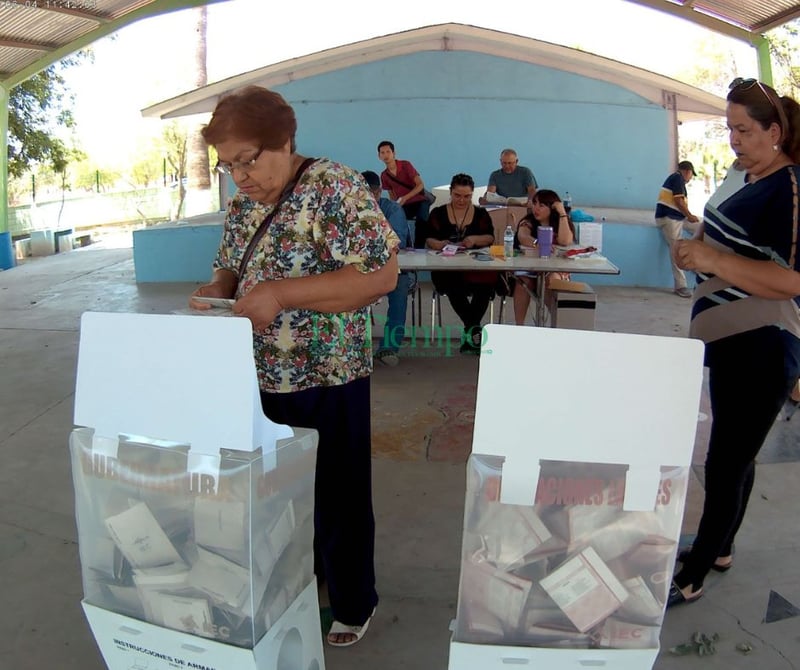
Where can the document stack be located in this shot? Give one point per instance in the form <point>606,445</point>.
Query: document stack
<point>572,570</point>
<point>195,552</point>
<point>573,510</point>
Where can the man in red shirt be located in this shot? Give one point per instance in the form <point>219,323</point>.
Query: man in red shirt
<point>402,181</point>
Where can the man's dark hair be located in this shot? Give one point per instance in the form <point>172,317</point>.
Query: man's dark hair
<point>386,143</point>
<point>371,178</point>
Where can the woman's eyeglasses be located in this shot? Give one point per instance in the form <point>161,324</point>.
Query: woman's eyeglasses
<point>743,84</point>
<point>244,166</point>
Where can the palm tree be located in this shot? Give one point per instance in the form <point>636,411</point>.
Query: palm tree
<point>197,163</point>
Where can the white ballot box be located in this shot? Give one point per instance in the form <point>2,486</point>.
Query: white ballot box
<point>575,498</point>
<point>194,512</point>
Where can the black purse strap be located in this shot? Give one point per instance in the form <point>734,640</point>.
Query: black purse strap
<point>262,227</point>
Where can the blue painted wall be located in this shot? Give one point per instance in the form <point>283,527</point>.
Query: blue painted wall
<point>640,253</point>
<point>176,253</point>
<point>452,112</point>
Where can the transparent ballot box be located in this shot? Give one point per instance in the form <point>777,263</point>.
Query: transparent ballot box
<point>219,552</point>
<point>573,570</point>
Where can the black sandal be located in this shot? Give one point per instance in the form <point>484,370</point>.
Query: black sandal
<point>676,596</point>
<point>716,567</point>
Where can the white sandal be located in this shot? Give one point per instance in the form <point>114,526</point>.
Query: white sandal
<point>338,628</point>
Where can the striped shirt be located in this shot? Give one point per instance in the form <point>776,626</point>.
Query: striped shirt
<point>674,187</point>
<point>754,220</point>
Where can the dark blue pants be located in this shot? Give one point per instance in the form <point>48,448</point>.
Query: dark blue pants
<point>395,329</point>
<point>749,376</point>
<point>344,524</point>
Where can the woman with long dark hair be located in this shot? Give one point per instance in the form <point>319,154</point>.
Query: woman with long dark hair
<point>548,210</point>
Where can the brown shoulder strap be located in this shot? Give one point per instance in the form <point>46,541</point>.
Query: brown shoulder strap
<point>262,228</point>
<point>398,181</point>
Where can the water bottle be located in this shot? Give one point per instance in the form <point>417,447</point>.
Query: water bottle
<point>508,242</point>
<point>567,202</point>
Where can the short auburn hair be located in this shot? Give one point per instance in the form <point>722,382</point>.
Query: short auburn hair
<point>252,113</point>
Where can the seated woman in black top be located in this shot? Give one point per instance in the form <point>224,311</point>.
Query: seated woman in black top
<point>460,222</point>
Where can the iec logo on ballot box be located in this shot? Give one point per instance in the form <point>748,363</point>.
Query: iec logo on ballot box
<point>195,523</point>
<point>573,510</point>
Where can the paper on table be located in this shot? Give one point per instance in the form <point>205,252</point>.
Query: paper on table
<point>591,235</point>
<point>496,199</point>
<point>451,250</point>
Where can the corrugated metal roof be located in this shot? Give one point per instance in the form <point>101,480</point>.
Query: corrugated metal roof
<point>690,102</point>
<point>744,19</point>
<point>755,17</point>
<point>36,33</point>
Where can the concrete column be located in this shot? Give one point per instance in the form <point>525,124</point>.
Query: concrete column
<point>670,105</point>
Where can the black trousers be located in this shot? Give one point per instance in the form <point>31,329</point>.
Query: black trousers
<point>749,375</point>
<point>417,211</point>
<point>469,300</point>
<point>344,523</point>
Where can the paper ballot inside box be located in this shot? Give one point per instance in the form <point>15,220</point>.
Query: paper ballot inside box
<point>590,396</point>
<point>153,375</point>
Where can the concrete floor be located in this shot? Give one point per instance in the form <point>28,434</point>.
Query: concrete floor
<point>422,422</point>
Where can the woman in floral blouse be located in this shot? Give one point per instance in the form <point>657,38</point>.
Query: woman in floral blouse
<point>326,254</point>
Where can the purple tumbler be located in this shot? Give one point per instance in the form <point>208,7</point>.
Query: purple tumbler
<point>544,240</point>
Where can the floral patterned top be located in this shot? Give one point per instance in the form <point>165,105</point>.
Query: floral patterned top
<point>329,221</point>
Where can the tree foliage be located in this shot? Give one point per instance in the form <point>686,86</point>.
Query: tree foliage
<point>174,136</point>
<point>783,47</point>
<point>197,167</point>
<point>713,71</point>
<point>38,108</point>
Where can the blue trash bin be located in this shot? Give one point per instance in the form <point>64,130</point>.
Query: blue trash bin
<point>7,258</point>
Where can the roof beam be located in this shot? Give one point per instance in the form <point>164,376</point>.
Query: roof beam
<point>153,8</point>
<point>33,46</point>
<point>778,19</point>
<point>686,11</point>
<point>79,8</point>
<point>446,37</point>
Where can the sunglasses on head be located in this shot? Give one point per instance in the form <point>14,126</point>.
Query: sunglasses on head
<point>743,84</point>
